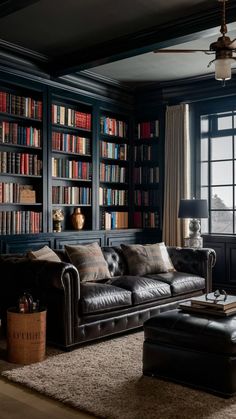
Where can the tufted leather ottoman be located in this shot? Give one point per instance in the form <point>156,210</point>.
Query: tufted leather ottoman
<point>195,350</point>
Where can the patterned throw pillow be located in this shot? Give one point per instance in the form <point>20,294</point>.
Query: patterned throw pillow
<point>89,261</point>
<point>44,254</point>
<point>145,259</point>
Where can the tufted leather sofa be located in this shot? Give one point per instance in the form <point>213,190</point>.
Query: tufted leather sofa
<point>80,312</point>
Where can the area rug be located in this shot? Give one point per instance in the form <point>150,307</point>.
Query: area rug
<point>105,379</point>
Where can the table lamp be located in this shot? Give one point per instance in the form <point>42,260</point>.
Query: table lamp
<point>195,209</point>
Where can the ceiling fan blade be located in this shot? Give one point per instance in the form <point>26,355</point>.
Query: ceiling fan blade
<point>184,51</point>
<point>232,44</point>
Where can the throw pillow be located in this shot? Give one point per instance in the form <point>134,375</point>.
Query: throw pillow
<point>89,261</point>
<point>44,254</point>
<point>166,258</point>
<point>144,259</point>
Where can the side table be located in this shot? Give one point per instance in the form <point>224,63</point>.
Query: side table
<point>26,336</point>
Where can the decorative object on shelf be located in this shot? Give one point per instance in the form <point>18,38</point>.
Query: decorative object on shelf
<point>58,217</point>
<point>27,194</point>
<point>77,219</point>
<point>194,209</point>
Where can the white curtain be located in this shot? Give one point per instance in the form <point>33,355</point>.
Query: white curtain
<point>177,174</point>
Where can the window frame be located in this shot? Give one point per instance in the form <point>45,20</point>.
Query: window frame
<point>213,109</point>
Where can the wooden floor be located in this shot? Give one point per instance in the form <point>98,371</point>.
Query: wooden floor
<point>20,403</point>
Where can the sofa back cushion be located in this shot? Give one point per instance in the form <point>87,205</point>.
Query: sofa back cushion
<point>89,261</point>
<point>146,259</point>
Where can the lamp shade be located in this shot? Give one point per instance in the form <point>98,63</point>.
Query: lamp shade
<point>193,208</point>
<point>223,68</point>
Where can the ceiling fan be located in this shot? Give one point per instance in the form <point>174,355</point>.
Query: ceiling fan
<point>223,49</point>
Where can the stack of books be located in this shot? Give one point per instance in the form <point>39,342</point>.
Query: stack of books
<point>211,305</point>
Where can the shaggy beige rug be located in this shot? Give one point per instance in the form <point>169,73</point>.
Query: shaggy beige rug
<point>105,379</point>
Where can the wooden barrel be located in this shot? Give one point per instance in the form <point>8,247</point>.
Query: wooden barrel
<point>26,336</point>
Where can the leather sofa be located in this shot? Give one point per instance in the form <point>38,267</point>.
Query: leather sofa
<point>80,312</point>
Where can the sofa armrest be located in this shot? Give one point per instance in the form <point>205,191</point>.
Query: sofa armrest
<point>195,261</point>
<point>55,284</point>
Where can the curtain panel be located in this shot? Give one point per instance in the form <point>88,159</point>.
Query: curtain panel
<point>177,174</point>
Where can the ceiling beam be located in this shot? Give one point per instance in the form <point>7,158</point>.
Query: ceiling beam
<point>166,35</point>
<point>8,7</point>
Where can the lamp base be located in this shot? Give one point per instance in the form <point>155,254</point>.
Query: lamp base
<point>196,242</point>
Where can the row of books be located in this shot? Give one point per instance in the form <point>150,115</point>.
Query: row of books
<point>13,133</point>
<point>71,195</point>
<point>112,126</point>
<point>20,163</point>
<point>71,169</point>
<point>20,222</point>
<point>66,116</point>
<point>114,219</point>
<point>146,174</point>
<point>146,219</point>
<point>112,173</point>
<point>143,152</point>
<point>20,105</point>
<point>11,192</point>
<point>146,198</point>
<point>113,151</point>
<point>148,129</point>
<point>71,143</point>
<point>109,196</point>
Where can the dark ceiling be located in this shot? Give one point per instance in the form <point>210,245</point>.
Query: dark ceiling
<point>74,35</point>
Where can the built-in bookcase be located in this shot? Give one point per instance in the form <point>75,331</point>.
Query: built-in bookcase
<point>21,160</point>
<point>60,149</point>
<point>114,171</point>
<point>71,159</point>
<point>146,175</point>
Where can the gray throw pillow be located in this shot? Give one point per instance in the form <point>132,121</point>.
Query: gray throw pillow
<point>144,259</point>
<point>89,261</point>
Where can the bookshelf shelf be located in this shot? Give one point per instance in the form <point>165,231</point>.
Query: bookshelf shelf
<point>68,128</point>
<point>114,171</point>
<point>21,161</point>
<point>146,175</point>
<point>71,158</point>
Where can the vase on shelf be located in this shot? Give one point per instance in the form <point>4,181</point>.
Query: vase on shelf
<point>77,219</point>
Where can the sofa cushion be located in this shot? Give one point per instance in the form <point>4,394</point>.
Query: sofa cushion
<point>45,253</point>
<point>96,297</point>
<point>180,282</point>
<point>89,261</point>
<point>143,289</point>
<point>144,259</point>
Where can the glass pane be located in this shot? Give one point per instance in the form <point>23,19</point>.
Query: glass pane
<point>204,173</point>
<point>204,225</point>
<point>222,197</point>
<point>204,193</point>
<point>221,148</point>
<point>225,122</point>
<point>204,124</point>
<point>204,148</point>
<point>221,173</point>
<point>222,222</point>
<point>234,121</point>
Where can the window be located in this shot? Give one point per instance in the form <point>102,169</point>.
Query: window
<point>218,171</point>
